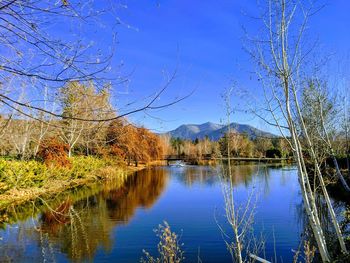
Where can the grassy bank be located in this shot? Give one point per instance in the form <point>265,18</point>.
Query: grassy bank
<point>22,181</point>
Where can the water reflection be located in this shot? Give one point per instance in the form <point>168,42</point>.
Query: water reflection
<point>207,175</point>
<point>245,175</point>
<point>326,223</point>
<point>104,222</point>
<point>191,175</point>
<point>78,229</point>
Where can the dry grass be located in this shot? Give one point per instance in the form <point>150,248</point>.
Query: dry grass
<point>169,249</point>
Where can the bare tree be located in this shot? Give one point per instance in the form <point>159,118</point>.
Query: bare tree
<point>35,53</point>
<point>241,243</point>
<point>280,53</point>
<point>319,113</point>
<point>43,123</point>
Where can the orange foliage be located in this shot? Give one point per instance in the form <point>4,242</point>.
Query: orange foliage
<point>53,219</point>
<point>54,153</point>
<point>133,144</point>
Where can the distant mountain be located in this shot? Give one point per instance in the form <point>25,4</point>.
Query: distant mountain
<point>215,131</point>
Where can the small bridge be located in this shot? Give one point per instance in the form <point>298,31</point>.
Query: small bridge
<point>255,159</point>
<point>207,157</point>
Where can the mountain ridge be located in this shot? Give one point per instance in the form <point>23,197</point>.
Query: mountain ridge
<point>215,131</point>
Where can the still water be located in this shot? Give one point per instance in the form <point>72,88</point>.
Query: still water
<point>115,222</point>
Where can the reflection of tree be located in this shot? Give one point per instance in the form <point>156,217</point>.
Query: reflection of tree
<point>326,223</point>
<point>196,174</point>
<point>241,174</point>
<point>206,175</point>
<point>92,221</point>
<point>13,248</point>
<point>29,210</point>
<point>79,228</point>
<point>140,190</point>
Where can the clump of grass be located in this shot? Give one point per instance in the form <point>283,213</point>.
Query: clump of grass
<point>169,249</point>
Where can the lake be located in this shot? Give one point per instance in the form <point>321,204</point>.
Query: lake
<point>114,223</point>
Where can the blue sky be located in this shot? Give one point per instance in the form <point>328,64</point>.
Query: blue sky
<point>203,41</point>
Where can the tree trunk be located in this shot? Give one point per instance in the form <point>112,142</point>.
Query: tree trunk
<point>348,162</point>
<point>318,171</point>
<point>307,193</point>
<point>339,174</point>
<point>309,200</point>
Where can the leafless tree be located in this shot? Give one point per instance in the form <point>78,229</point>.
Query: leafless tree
<point>280,52</point>
<point>321,113</point>
<point>241,242</point>
<point>35,53</point>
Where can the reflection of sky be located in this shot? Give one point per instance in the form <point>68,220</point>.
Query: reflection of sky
<point>188,202</point>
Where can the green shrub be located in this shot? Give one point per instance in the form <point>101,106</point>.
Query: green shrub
<point>81,166</point>
<point>21,174</point>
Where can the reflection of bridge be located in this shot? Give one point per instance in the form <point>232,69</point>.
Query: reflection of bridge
<point>208,157</point>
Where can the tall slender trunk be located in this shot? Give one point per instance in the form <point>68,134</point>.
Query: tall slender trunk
<point>303,177</point>
<point>347,151</point>
<point>347,143</point>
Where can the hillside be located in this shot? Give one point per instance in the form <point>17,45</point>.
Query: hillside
<point>215,131</point>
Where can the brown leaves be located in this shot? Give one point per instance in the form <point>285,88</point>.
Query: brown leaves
<point>54,153</point>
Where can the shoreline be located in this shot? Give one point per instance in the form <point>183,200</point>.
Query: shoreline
<point>16,197</point>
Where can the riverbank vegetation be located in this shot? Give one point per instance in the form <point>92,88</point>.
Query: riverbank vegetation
<point>58,121</point>
<point>39,156</point>
<point>240,146</point>
<point>51,170</point>
<point>22,181</point>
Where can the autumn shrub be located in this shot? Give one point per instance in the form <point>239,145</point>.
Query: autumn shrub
<point>117,151</point>
<point>133,144</point>
<point>54,153</point>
